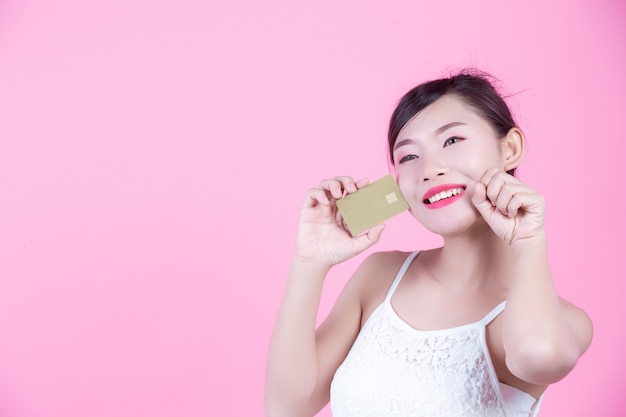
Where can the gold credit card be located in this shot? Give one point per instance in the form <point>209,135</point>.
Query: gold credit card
<point>372,205</point>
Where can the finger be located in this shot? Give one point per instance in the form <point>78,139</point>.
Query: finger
<point>494,187</point>
<point>334,188</point>
<point>528,202</point>
<point>488,175</point>
<point>347,182</point>
<point>514,205</point>
<point>504,199</point>
<point>340,220</point>
<point>362,183</point>
<point>498,182</point>
<point>338,185</point>
<point>372,236</point>
<point>480,201</point>
<point>375,232</point>
<point>507,194</point>
<point>507,203</point>
<point>316,196</point>
<point>496,172</point>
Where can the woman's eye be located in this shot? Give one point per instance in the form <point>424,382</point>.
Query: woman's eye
<point>452,140</point>
<point>407,158</point>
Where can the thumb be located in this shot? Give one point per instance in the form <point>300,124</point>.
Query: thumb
<point>480,200</point>
<point>371,237</point>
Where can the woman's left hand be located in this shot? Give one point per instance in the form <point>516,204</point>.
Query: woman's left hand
<point>512,209</point>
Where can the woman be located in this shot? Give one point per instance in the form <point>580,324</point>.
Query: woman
<point>473,328</point>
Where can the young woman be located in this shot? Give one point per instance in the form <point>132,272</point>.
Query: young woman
<point>473,328</point>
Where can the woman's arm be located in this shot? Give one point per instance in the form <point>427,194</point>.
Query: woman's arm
<point>543,336</point>
<point>301,361</point>
<point>292,368</point>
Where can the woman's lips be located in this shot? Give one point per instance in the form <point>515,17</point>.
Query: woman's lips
<point>443,195</point>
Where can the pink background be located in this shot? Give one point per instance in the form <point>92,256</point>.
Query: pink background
<point>154,156</point>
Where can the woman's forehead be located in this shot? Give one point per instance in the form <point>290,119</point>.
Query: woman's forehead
<point>444,111</point>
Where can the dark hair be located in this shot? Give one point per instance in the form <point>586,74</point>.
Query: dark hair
<point>473,87</point>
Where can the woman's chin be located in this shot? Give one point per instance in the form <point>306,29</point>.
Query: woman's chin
<point>454,226</point>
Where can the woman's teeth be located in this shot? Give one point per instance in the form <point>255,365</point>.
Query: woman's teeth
<point>444,194</point>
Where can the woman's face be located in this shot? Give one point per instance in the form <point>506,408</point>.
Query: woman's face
<point>439,156</point>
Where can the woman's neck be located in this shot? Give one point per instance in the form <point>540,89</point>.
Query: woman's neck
<point>476,259</point>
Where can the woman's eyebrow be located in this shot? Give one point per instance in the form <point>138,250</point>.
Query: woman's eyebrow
<point>438,131</point>
<point>448,126</point>
<point>402,143</point>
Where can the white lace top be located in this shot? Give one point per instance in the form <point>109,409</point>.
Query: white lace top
<point>394,370</point>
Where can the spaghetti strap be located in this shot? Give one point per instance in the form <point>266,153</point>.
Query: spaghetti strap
<point>537,405</point>
<point>400,274</point>
<point>493,313</point>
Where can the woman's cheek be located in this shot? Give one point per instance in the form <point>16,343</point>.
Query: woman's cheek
<point>408,189</point>
<point>401,182</point>
<point>467,167</point>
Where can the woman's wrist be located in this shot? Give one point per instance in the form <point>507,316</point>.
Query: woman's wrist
<point>531,244</point>
<point>309,266</point>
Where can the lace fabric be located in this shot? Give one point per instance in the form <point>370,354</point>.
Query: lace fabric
<point>394,370</point>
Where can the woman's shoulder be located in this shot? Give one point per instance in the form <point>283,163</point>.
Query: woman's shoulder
<point>390,261</point>
<point>382,264</point>
<point>387,258</point>
<point>375,276</point>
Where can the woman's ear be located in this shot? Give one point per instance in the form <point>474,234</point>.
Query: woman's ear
<point>512,147</point>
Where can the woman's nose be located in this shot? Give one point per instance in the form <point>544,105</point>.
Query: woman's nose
<point>434,170</point>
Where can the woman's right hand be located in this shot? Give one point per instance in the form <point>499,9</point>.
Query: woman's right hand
<point>322,236</point>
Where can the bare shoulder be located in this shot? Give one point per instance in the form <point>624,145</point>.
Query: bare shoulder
<point>379,266</point>
<point>374,277</point>
<point>580,323</point>
<point>385,260</point>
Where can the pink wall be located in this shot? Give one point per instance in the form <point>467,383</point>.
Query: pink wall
<point>153,159</point>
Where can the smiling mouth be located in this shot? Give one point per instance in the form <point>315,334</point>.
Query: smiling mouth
<point>443,195</point>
